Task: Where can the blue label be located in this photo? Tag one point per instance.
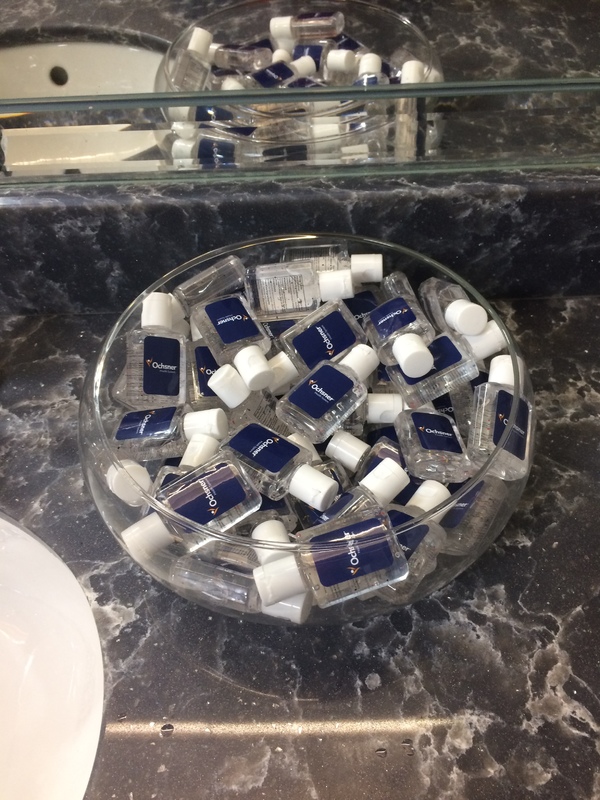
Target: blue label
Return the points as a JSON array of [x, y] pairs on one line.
[[275, 327], [315, 51], [408, 540], [435, 432], [366, 80], [483, 377], [444, 405], [168, 478], [266, 43], [267, 449], [231, 321], [206, 366], [345, 42], [212, 114], [213, 153], [335, 509], [324, 340], [206, 496], [280, 505], [303, 83], [273, 75], [517, 441], [361, 305], [360, 548], [445, 354], [319, 393], [377, 433], [392, 316], [161, 366], [456, 514], [156, 424]]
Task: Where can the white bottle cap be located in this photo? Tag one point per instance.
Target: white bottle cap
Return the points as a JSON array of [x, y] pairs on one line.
[[253, 367], [367, 267], [412, 72], [200, 42], [295, 609], [281, 28], [304, 66], [199, 450], [313, 488], [429, 495], [127, 479], [157, 311], [212, 50], [341, 61], [369, 64], [362, 360], [283, 370], [384, 408], [434, 76], [323, 133], [279, 579], [211, 422], [347, 449], [185, 129], [466, 317], [273, 530], [146, 537], [177, 310], [501, 371], [180, 115], [487, 343], [303, 441], [231, 84], [280, 54], [228, 385], [385, 481], [336, 284], [411, 353], [183, 148]]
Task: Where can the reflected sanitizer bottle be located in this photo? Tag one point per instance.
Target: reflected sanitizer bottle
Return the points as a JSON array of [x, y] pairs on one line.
[[241, 57], [191, 69], [277, 466], [223, 277], [308, 27], [221, 587], [492, 406], [234, 335], [449, 307], [327, 396], [279, 74], [365, 267]]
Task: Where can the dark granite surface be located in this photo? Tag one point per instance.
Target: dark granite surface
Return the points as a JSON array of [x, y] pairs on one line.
[[485, 691]]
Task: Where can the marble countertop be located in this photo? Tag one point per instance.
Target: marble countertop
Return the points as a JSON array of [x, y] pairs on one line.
[[487, 690]]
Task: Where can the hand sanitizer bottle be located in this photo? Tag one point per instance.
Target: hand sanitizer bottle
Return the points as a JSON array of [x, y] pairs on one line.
[[370, 71], [200, 449], [492, 405], [280, 510], [201, 367], [217, 494], [221, 278], [235, 336], [155, 371], [259, 407], [365, 267], [191, 69], [397, 316], [432, 446], [224, 589], [240, 57], [469, 521], [347, 558], [150, 434], [328, 395], [276, 466], [449, 307], [308, 27], [279, 74]]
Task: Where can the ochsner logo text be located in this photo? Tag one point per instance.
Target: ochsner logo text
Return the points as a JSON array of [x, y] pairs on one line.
[[212, 500], [435, 431], [231, 318], [504, 420], [352, 552], [320, 391], [145, 421], [159, 365], [326, 339], [262, 445], [393, 314]]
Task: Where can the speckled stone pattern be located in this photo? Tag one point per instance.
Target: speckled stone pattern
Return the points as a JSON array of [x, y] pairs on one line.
[[485, 691]]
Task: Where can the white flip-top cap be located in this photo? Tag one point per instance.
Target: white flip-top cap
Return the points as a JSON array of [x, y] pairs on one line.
[[283, 370], [369, 64], [385, 481], [501, 371], [487, 343], [347, 449], [384, 408], [157, 311], [273, 530], [412, 354], [295, 609], [367, 267], [281, 28], [253, 367], [429, 495], [304, 66], [212, 50], [185, 129], [362, 360], [313, 488], [199, 450], [466, 317], [126, 481], [228, 385], [177, 310], [303, 441], [147, 536], [231, 84], [341, 61], [281, 54], [183, 148], [412, 72], [200, 42], [211, 422], [279, 579], [336, 284]]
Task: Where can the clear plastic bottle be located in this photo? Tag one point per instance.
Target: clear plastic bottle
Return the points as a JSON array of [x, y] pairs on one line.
[[432, 446], [492, 406], [277, 466], [328, 395], [200, 449], [280, 510], [191, 69], [240, 57], [234, 335], [217, 495], [347, 558], [221, 278], [224, 589], [309, 516], [317, 50], [307, 27], [341, 65], [279, 74], [212, 148], [397, 316], [259, 407], [201, 367], [449, 307], [365, 267], [370, 71], [150, 434], [349, 451], [469, 521], [386, 447], [363, 302]]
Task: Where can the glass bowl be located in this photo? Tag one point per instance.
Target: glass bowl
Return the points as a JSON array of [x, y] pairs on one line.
[[192, 559]]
